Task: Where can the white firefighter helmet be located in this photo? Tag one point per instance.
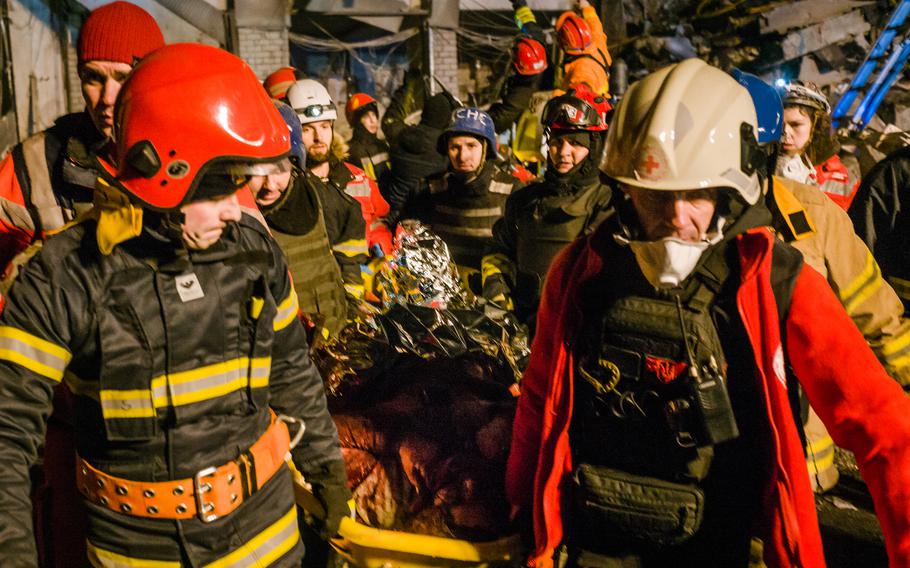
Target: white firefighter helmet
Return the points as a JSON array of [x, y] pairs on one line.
[[311, 101], [686, 126]]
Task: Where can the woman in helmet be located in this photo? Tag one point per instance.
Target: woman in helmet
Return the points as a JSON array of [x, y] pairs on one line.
[[809, 148], [584, 45], [543, 217], [171, 317], [365, 148], [463, 203]]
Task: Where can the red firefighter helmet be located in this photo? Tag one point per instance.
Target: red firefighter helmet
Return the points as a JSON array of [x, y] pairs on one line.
[[278, 83], [573, 33], [529, 56], [359, 102], [186, 111], [579, 108]]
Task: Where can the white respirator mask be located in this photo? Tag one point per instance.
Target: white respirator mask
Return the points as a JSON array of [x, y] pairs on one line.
[[667, 262]]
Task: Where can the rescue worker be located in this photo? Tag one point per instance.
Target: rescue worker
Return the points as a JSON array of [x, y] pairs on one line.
[[366, 148], [584, 45], [326, 160], [414, 156], [654, 426], [462, 204], [344, 220], [543, 217], [529, 61], [279, 81], [821, 231], [809, 148], [47, 180], [879, 214], [171, 317], [292, 208]]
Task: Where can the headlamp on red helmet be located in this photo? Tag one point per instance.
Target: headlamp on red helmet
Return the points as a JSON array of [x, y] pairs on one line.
[[573, 33], [578, 109], [529, 56]]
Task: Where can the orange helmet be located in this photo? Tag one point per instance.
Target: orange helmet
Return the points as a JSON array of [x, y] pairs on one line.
[[529, 56], [573, 33], [278, 83], [359, 103], [189, 110]]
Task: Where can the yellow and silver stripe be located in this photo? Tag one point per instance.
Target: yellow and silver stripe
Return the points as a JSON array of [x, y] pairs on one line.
[[34, 353], [287, 311], [187, 387], [351, 247], [261, 551]]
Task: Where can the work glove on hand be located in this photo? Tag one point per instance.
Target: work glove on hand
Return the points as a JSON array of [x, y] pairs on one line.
[[330, 487], [516, 4], [496, 290]]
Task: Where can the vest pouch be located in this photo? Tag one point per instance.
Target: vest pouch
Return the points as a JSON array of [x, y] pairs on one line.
[[617, 505]]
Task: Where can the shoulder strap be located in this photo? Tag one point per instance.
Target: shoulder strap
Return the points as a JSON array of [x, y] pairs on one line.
[[41, 196]]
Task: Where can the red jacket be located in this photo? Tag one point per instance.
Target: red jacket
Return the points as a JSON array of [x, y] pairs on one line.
[[863, 408], [835, 180], [361, 187]]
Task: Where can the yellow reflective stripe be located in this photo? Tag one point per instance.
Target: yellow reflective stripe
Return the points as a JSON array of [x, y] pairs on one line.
[[266, 547], [863, 286], [101, 558], [187, 387], [819, 446], [355, 290], [287, 311], [35, 354], [352, 247]]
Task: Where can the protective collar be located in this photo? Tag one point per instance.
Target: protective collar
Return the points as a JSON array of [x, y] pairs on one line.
[[118, 220]]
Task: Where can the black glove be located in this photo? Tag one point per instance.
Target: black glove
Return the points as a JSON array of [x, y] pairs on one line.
[[516, 4], [330, 487]]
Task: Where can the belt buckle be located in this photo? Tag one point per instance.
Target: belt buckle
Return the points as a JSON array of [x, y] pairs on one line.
[[203, 510]]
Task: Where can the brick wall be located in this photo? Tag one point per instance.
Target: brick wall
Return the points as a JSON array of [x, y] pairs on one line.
[[445, 58], [264, 49]]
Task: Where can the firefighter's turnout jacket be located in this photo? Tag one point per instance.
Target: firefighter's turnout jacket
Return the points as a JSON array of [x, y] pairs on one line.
[[176, 360], [822, 232], [45, 182]]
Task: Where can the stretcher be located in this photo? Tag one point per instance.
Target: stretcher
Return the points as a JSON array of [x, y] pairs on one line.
[[362, 546]]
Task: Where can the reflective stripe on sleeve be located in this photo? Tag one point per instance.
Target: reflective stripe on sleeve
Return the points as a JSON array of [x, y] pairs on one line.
[[35, 354], [352, 247], [863, 286], [287, 311]]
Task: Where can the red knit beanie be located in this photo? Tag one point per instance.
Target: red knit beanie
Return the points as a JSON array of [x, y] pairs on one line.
[[118, 31]]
